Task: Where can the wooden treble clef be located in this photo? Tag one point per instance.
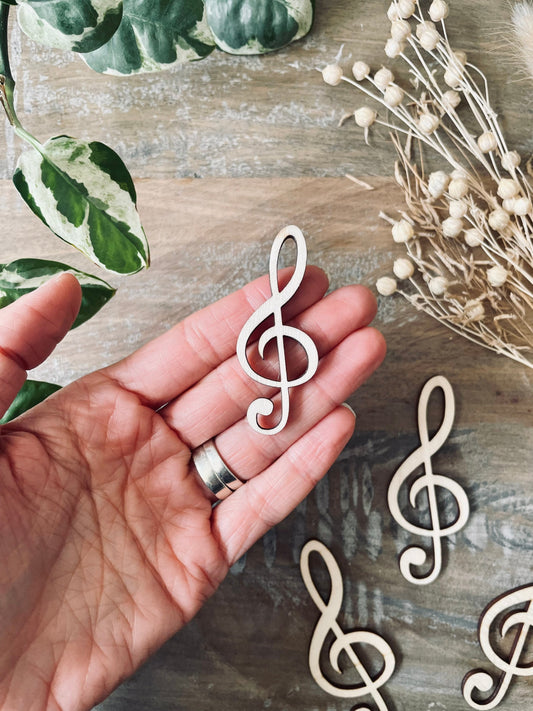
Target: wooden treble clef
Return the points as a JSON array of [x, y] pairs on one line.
[[478, 680], [345, 641], [429, 481], [278, 332]]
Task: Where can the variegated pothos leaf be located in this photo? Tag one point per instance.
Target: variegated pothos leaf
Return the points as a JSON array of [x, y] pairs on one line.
[[25, 275], [80, 25], [154, 35], [84, 193], [258, 26]]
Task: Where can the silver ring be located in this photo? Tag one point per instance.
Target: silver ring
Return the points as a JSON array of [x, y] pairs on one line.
[[213, 471]]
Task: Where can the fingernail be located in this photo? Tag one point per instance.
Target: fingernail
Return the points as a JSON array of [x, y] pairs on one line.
[[348, 407]]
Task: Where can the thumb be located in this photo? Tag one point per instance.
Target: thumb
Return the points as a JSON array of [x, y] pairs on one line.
[[30, 329]]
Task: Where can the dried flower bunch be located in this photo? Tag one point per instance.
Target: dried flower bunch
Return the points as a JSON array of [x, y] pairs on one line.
[[468, 229]]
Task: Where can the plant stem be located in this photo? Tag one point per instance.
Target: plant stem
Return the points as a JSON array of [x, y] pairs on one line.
[[5, 69], [7, 84]]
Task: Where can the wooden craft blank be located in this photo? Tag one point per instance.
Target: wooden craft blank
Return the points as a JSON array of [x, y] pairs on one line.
[[344, 641], [519, 621], [415, 556]]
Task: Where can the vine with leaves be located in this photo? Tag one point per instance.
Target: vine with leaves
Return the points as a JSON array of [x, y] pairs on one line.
[[81, 190]]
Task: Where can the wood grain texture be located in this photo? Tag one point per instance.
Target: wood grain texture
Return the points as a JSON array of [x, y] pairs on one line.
[[262, 134], [228, 116]]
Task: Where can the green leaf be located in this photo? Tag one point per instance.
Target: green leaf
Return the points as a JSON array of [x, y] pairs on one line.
[[25, 275], [154, 35], [32, 393], [84, 193], [258, 26], [80, 25]]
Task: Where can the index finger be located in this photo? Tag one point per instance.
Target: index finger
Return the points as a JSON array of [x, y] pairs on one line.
[[170, 364]]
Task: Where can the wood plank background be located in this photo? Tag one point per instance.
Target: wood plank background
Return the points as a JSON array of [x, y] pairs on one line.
[[225, 152]]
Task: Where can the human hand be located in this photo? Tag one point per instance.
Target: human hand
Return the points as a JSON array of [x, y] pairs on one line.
[[108, 539]]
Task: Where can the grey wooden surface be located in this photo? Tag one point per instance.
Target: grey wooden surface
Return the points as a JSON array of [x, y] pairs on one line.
[[260, 136]]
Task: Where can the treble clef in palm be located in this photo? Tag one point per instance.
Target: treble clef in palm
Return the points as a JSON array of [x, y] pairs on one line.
[[278, 333], [429, 482]]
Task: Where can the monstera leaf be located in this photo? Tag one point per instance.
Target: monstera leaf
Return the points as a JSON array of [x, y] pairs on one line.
[[80, 25], [154, 35], [31, 393], [25, 275], [84, 193], [258, 26]]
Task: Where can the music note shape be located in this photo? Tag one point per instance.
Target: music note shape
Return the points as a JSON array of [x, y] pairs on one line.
[[344, 641], [429, 481], [481, 681], [278, 332]]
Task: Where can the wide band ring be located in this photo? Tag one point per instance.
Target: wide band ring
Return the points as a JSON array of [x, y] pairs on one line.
[[213, 470]]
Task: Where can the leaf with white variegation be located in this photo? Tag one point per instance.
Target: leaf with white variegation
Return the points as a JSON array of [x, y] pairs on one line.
[[25, 275], [258, 26], [79, 25], [32, 393], [84, 193], [154, 35]]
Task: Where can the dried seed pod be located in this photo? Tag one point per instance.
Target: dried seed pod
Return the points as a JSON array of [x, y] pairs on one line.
[[424, 26], [452, 227], [383, 77], [451, 99], [438, 285], [499, 219], [510, 161], [393, 48], [458, 188], [386, 286], [402, 231], [453, 76], [406, 8], [332, 74], [437, 183], [460, 56], [393, 95], [487, 142], [400, 30], [392, 12], [429, 39], [508, 188], [522, 206], [428, 123], [365, 116], [403, 268], [474, 237], [457, 208], [360, 70], [438, 10], [508, 205], [497, 276]]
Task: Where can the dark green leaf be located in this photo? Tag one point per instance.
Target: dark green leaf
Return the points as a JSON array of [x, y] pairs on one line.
[[32, 393], [154, 35], [80, 25], [84, 193], [258, 26], [25, 275]]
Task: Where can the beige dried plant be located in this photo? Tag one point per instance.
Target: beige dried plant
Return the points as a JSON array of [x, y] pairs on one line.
[[522, 31], [467, 229]]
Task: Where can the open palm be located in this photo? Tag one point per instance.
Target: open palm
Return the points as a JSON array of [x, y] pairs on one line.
[[108, 539]]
